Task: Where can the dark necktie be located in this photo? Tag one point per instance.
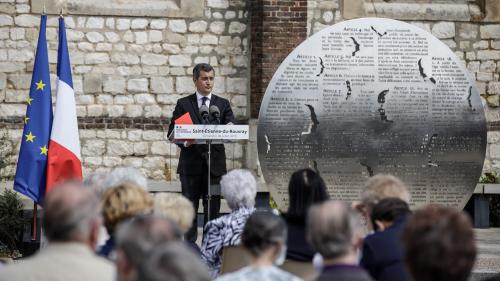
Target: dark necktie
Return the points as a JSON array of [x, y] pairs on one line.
[[204, 100]]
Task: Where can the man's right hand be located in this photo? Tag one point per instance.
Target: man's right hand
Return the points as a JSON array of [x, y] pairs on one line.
[[187, 143]]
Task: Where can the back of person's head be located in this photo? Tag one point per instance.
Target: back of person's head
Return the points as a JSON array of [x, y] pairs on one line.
[[176, 207], [120, 175], [382, 186], [239, 188], [333, 229], [123, 202], [262, 231], [136, 237], [439, 244], [173, 261], [305, 188], [388, 210], [95, 181], [71, 213]]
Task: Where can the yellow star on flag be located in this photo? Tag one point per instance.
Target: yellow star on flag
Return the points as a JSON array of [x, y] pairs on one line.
[[40, 85], [30, 137], [29, 100], [43, 150], [26, 118]]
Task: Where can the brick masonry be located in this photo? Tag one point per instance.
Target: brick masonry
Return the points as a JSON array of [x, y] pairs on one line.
[[277, 28]]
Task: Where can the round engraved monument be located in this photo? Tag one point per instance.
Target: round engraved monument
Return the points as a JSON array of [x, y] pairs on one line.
[[370, 96]]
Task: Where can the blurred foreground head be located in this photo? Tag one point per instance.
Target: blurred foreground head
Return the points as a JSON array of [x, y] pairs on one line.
[[265, 236], [72, 214], [136, 238], [439, 244], [173, 261], [124, 202], [334, 230]]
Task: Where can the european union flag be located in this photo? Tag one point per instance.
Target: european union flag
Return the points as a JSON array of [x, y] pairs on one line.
[[31, 169]]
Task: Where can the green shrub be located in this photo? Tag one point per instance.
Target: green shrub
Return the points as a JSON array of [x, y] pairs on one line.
[[11, 220]]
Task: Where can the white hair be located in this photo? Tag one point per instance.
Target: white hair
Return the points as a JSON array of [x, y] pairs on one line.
[[125, 174], [239, 189]]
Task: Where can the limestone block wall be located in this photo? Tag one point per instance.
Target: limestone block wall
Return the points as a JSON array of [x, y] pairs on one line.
[[470, 30], [128, 72]]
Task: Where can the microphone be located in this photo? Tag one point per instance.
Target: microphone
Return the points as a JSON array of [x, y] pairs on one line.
[[215, 112], [204, 112]]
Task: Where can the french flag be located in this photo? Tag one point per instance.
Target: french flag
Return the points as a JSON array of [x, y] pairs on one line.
[[64, 159]]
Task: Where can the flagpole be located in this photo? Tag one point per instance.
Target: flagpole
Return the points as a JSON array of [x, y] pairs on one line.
[[34, 230]]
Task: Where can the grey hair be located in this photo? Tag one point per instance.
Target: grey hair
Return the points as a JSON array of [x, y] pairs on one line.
[[120, 175], [331, 227], [173, 261], [139, 235], [69, 212], [239, 188], [95, 181]]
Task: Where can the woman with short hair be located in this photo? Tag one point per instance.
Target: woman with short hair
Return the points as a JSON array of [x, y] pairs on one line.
[[239, 188]]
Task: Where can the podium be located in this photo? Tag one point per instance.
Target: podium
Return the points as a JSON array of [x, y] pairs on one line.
[[209, 134]]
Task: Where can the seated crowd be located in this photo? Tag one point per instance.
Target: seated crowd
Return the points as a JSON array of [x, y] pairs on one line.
[[110, 228]]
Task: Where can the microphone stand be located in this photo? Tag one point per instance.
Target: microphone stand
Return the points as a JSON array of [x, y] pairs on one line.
[[209, 191], [209, 143]]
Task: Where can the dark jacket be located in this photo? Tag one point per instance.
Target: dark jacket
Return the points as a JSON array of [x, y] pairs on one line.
[[344, 273], [297, 247], [194, 158], [382, 254]]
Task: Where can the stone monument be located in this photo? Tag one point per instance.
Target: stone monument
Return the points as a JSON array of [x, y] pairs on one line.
[[369, 96]]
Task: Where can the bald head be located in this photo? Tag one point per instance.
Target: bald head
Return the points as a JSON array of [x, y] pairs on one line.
[[332, 229], [71, 212]]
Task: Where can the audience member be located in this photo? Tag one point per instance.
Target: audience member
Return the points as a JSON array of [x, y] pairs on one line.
[[382, 254], [176, 207], [119, 204], [377, 188], [179, 209], [136, 238], [120, 175], [239, 189], [439, 243], [305, 188], [264, 236], [71, 222], [95, 181], [335, 231], [173, 262]]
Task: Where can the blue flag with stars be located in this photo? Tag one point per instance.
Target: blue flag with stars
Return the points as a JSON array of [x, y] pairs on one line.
[[31, 169]]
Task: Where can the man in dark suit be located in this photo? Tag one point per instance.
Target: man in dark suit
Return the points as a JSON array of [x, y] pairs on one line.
[[193, 160], [336, 233]]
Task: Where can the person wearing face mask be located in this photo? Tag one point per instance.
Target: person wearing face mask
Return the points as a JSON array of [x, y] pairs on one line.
[[264, 237]]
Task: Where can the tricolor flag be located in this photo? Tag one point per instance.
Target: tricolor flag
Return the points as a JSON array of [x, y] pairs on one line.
[[64, 160], [31, 168]]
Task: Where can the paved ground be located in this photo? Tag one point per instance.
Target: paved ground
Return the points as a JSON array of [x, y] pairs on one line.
[[488, 243]]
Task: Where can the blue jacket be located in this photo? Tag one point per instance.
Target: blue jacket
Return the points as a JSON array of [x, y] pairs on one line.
[[383, 255]]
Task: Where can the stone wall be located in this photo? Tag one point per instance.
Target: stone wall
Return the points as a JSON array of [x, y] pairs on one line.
[[471, 31], [128, 72], [130, 67]]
